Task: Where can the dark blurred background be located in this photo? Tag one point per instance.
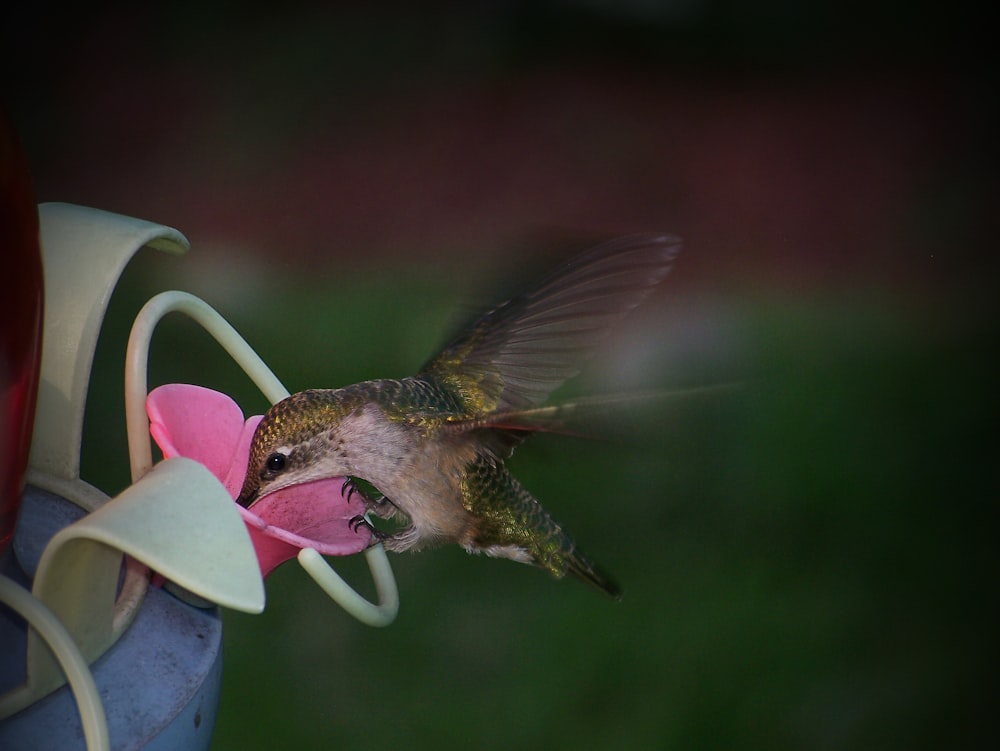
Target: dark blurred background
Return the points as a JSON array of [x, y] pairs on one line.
[[809, 561]]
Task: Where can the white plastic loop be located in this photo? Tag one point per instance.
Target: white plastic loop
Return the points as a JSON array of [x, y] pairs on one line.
[[330, 582], [64, 650]]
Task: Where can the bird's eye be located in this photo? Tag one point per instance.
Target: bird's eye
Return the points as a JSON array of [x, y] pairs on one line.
[[275, 463]]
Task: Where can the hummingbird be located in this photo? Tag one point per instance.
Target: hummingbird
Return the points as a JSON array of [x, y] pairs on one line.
[[429, 450]]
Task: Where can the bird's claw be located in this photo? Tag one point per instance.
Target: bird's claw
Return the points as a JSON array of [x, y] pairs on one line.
[[368, 492], [349, 488], [357, 522]]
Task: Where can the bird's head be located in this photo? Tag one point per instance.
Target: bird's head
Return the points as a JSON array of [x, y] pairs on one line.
[[295, 442]]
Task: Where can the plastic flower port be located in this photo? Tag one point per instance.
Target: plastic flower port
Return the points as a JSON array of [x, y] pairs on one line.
[[87, 556], [194, 423], [208, 426]]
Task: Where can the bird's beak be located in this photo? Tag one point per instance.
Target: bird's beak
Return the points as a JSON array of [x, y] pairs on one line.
[[247, 497]]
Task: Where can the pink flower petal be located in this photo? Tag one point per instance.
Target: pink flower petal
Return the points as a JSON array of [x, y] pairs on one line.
[[237, 470], [316, 515], [312, 515], [195, 422]]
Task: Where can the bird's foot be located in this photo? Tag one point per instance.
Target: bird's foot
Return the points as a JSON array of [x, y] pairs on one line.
[[371, 495], [359, 521]]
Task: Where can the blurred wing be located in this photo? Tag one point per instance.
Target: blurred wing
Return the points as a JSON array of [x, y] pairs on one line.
[[514, 356], [586, 417], [578, 417]]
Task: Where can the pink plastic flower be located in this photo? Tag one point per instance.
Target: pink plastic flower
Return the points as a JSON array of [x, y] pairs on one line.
[[208, 426]]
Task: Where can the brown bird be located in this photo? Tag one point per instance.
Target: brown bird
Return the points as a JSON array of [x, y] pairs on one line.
[[430, 449]]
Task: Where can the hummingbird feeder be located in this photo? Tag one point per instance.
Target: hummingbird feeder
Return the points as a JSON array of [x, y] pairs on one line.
[[81, 575]]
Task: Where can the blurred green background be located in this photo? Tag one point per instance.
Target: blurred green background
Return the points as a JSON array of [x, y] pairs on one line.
[[809, 561]]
